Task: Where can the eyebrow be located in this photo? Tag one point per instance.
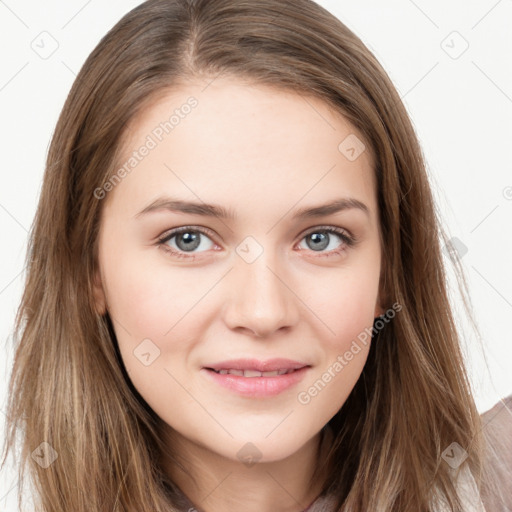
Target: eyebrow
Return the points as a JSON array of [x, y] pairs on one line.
[[213, 210]]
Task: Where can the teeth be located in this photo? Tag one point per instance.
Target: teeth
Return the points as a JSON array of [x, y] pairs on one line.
[[253, 373]]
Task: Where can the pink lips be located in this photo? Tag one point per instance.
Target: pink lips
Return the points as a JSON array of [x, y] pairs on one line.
[[247, 382], [255, 364]]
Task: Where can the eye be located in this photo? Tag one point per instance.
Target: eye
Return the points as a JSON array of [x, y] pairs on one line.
[[322, 238], [186, 239], [182, 242]]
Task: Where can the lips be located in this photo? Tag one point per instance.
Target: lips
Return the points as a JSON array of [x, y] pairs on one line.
[[252, 373], [255, 367], [253, 378]]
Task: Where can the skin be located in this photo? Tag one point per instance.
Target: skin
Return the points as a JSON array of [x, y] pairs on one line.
[[264, 153]]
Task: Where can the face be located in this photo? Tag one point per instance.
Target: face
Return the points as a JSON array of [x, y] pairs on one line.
[[268, 275]]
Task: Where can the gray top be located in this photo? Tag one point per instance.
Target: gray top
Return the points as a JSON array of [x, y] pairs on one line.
[[321, 504]]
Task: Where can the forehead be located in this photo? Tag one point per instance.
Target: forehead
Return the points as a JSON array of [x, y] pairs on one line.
[[229, 135]]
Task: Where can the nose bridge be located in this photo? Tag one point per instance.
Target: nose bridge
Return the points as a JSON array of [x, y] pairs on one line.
[[261, 301]]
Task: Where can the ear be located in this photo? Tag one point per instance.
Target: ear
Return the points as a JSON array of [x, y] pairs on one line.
[[379, 310], [100, 302]]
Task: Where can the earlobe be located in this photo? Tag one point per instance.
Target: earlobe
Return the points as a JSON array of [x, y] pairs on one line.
[[378, 311], [100, 302]]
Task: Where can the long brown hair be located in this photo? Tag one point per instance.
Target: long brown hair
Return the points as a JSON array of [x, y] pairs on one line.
[[68, 386]]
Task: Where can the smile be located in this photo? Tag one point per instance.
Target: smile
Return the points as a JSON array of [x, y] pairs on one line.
[[252, 373], [253, 383]]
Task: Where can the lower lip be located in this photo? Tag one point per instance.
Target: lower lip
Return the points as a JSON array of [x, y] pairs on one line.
[[257, 386]]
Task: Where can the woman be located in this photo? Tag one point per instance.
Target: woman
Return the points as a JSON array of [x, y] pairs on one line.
[[236, 297]]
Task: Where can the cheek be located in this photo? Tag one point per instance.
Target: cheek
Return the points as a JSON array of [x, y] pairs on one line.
[[157, 311], [346, 302], [148, 300], [346, 306], [151, 308], [345, 346]]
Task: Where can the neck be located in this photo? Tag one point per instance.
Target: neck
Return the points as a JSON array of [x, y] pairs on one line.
[[215, 483]]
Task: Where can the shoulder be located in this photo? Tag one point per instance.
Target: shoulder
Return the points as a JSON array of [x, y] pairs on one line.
[[497, 430]]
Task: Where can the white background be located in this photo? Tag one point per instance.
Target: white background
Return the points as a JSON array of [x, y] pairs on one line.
[[460, 105]]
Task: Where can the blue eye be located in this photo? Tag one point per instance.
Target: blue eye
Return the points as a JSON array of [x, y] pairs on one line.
[[186, 239], [321, 238]]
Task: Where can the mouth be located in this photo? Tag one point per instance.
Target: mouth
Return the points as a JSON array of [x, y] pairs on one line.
[[254, 383], [252, 373]]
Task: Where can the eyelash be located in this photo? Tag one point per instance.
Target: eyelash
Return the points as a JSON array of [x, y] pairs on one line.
[[348, 240]]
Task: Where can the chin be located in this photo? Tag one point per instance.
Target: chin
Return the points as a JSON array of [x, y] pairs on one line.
[[262, 447]]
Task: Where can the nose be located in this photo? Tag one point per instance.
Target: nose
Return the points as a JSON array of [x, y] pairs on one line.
[[260, 300]]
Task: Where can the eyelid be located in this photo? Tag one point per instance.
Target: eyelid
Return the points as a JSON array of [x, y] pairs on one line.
[[207, 231], [348, 239], [334, 229], [167, 235]]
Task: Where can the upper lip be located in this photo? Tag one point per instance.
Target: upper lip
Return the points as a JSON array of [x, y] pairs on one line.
[[257, 365]]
